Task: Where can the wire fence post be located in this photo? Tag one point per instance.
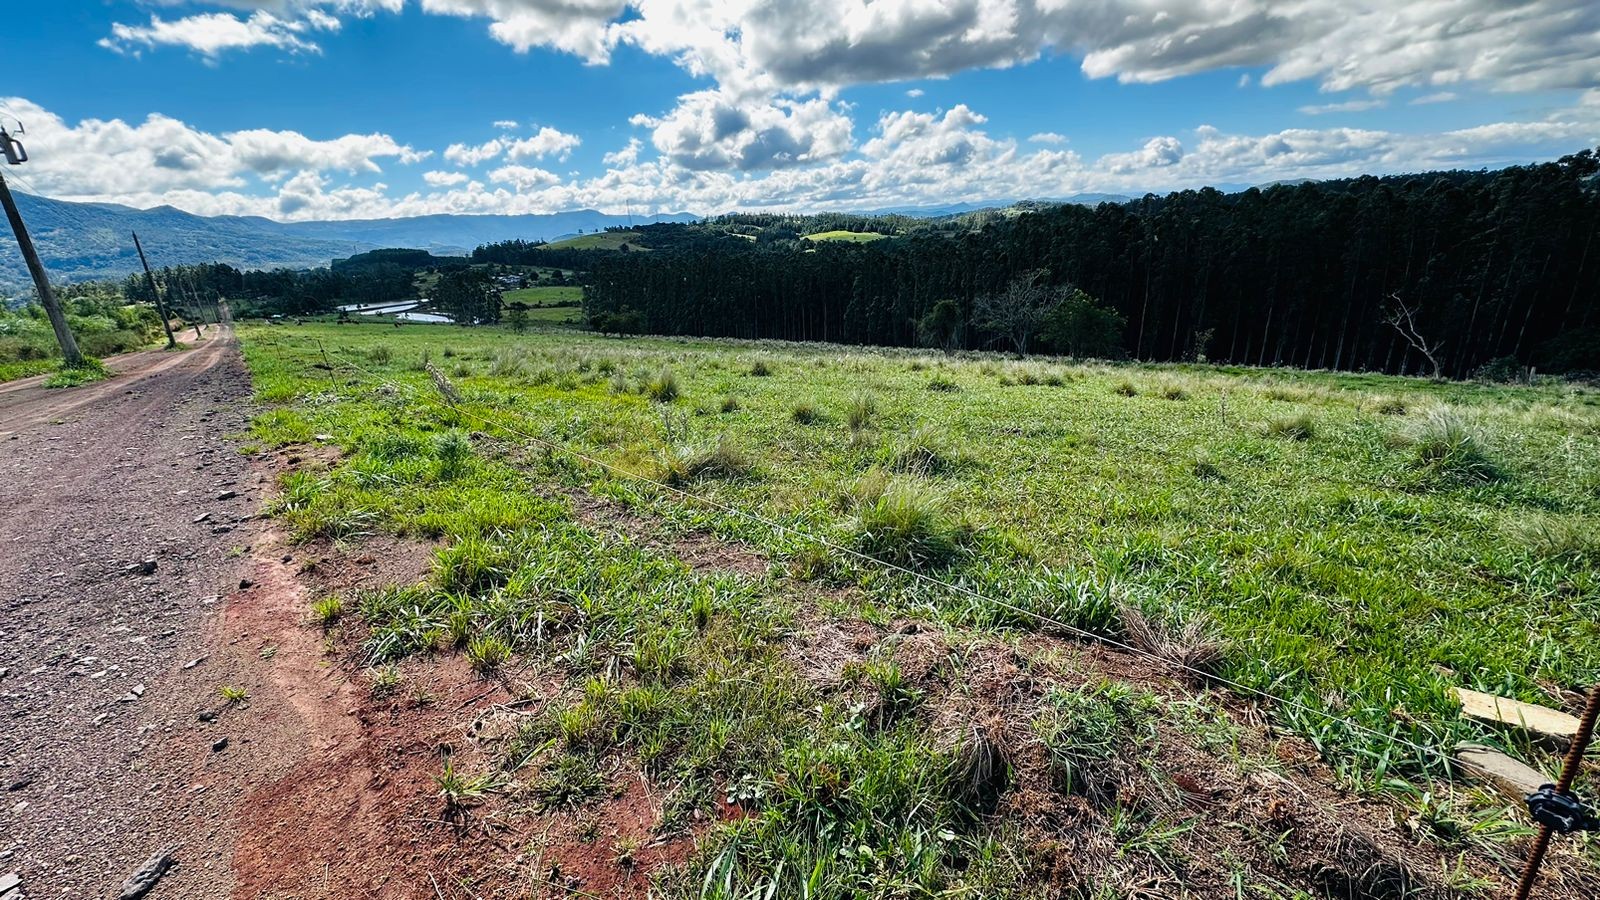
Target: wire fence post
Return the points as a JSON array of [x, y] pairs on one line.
[[1569, 773]]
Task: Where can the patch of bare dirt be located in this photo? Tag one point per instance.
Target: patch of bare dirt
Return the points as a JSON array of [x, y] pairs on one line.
[[378, 561], [358, 814], [611, 848]]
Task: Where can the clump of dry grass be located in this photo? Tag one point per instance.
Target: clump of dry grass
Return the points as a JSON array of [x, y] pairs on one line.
[[1192, 644], [684, 463]]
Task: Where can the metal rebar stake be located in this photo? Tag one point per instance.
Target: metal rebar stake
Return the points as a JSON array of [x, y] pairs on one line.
[[1569, 773]]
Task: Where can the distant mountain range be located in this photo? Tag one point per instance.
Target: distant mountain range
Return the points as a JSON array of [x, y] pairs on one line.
[[86, 241], [955, 209]]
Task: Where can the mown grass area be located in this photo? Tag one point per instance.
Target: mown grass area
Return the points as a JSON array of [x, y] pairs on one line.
[[1357, 544], [600, 240], [548, 295], [856, 237]]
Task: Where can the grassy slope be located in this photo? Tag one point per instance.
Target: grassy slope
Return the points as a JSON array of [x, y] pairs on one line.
[[547, 295], [556, 315], [858, 237], [605, 240], [1342, 571]]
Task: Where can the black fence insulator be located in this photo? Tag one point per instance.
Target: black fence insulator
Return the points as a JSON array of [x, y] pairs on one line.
[[1562, 810]]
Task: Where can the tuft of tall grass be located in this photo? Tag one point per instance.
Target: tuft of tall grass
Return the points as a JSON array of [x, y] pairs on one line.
[[459, 790], [721, 458], [326, 612], [805, 413], [1299, 427], [1451, 449], [1205, 467], [383, 681], [662, 387], [924, 452], [488, 653], [907, 524], [863, 406], [508, 362], [453, 450], [1548, 537], [1192, 643], [1390, 406]]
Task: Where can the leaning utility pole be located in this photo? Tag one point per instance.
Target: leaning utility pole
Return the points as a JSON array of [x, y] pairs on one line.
[[161, 308], [14, 155]]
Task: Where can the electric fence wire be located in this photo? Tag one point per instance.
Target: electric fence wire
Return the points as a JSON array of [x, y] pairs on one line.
[[424, 397]]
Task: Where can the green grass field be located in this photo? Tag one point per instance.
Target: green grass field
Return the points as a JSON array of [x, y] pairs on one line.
[[12, 370], [603, 240], [1356, 544], [857, 237], [544, 296]]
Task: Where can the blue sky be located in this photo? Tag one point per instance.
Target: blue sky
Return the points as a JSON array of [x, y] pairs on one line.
[[353, 108]]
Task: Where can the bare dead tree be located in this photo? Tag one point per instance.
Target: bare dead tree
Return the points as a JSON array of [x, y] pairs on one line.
[[1020, 310], [1404, 320]]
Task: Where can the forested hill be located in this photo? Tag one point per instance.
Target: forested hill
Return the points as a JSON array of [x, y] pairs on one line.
[[1489, 265], [88, 241]]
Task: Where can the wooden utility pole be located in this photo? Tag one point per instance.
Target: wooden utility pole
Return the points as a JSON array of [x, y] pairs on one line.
[[150, 280], [41, 281], [193, 309]]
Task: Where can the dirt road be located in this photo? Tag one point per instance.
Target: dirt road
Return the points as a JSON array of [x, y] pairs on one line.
[[122, 502]]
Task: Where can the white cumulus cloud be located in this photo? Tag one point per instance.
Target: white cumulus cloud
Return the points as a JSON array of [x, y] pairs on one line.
[[445, 179], [524, 178], [715, 130], [547, 142], [212, 34], [473, 154]]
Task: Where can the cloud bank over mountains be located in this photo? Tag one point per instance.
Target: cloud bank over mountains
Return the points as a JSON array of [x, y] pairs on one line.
[[772, 127]]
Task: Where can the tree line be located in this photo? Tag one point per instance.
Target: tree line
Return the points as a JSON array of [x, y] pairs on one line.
[[1444, 271], [276, 291]]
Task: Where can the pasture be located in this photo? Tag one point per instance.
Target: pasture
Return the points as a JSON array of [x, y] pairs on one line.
[[545, 295], [875, 600], [602, 240], [855, 237]]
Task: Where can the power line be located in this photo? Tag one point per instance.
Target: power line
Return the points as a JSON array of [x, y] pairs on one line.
[[62, 212], [1082, 633]]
